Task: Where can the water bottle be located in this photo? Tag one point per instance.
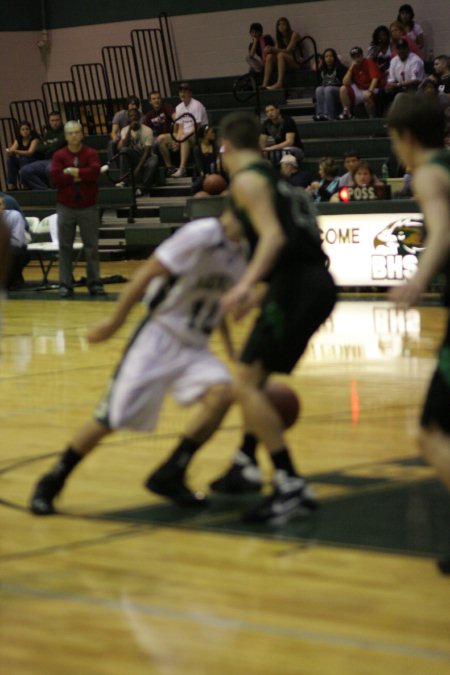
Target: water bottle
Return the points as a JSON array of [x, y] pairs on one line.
[[384, 173]]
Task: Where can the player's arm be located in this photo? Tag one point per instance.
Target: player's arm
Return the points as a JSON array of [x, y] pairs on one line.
[[432, 191], [131, 294], [253, 194], [224, 330]]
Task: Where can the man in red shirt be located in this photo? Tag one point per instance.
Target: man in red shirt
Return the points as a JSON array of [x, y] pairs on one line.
[[74, 171], [360, 84]]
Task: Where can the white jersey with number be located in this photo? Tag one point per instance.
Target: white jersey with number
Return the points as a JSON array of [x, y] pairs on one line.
[[203, 264]]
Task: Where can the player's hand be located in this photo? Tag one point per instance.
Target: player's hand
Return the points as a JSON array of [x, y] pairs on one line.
[[102, 331], [406, 295], [236, 299]]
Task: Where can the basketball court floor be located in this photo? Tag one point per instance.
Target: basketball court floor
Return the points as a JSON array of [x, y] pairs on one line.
[[123, 582]]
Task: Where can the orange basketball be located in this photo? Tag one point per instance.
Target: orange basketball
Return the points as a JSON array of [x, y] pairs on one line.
[[214, 183], [202, 194], [285, 401]]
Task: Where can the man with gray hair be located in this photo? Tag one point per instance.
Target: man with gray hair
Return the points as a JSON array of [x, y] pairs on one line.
[[74, 171]]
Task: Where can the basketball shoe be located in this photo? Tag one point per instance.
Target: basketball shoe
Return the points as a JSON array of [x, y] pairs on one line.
[[242, 477], [169, 483], [44, 493], [292, 498]]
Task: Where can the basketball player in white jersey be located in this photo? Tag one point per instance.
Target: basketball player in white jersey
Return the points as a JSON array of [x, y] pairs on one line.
[[183, 282]]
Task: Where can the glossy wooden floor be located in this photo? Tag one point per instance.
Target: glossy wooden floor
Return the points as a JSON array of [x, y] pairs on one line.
[[168, 593]]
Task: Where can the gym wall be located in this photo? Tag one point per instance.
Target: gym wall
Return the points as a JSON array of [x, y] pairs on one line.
[[207, 43]]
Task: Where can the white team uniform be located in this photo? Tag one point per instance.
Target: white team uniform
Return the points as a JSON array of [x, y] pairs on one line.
[[169, 350]]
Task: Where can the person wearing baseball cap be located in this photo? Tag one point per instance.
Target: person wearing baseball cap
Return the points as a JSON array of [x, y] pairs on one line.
[[406, 70], [289, 169], [360, 84]]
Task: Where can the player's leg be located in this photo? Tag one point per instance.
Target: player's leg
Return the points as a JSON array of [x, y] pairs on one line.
[[50, 485], [205, 379], [169, 478]]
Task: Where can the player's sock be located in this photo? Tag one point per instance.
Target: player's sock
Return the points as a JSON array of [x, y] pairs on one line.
[[248, 447], [182, 455], [282, 462], [51, 484], [66, 463]]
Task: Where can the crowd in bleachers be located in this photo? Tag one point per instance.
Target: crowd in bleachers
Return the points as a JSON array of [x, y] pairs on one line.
[[163, 134]]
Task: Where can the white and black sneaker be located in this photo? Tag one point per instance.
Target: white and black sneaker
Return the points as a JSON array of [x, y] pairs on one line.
[[292, 498], [242, 477]]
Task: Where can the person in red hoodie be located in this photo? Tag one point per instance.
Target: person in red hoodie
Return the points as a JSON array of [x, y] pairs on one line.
[[360, 84], [74, 171]]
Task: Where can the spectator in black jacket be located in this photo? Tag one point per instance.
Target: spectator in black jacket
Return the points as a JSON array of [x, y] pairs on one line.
[[37, 175], [279, 135]]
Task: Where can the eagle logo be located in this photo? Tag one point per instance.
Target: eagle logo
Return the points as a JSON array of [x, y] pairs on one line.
[[402, 237]]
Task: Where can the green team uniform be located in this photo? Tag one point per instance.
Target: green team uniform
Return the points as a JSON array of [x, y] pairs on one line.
[[436, 408], [301, 291]]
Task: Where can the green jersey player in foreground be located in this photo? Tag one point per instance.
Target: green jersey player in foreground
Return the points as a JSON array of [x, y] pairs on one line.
[[417, 130]]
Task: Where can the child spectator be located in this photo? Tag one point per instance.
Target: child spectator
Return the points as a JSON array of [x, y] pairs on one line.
[[351, 159], [20, 153], [412, 28], [329, 180], [257, 49], [205, 156], [332, 72], [398, 32], [380, 48]]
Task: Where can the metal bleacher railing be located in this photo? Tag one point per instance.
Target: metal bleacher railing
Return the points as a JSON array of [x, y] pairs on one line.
[[97, 90]]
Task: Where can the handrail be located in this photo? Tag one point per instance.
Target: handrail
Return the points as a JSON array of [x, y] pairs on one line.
[[315, 55], [248, 85], [185, 138]]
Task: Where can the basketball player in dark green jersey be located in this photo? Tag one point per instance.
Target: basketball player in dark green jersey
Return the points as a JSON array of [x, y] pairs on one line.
[[286, 254], [417, 130]]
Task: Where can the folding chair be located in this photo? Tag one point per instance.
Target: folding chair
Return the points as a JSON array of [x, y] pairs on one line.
[[44, 247]]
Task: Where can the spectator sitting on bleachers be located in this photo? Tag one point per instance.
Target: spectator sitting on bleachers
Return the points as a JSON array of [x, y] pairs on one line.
[[279, 135], [159, 119], [332, 72], [119, 121], [360, 84], [380, 48], [20, 152], [323, 190], [185, 127], [136, 154], [412, 29], [406, 71], [11, 204], [19, 256], [290, 170], [205, 156], [441, 68], [257, 49], [283, 55], [36, 175], [351, 159], [398, 32], [362, 175]]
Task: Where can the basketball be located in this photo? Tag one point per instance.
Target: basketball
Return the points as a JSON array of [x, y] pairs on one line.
[[202, 194], [285, 401], [214, 184]]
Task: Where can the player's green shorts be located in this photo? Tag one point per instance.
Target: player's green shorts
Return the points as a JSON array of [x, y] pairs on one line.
[[297, 303]]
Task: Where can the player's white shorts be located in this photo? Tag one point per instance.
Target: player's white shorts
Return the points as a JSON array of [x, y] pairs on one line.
[[157, 363]]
